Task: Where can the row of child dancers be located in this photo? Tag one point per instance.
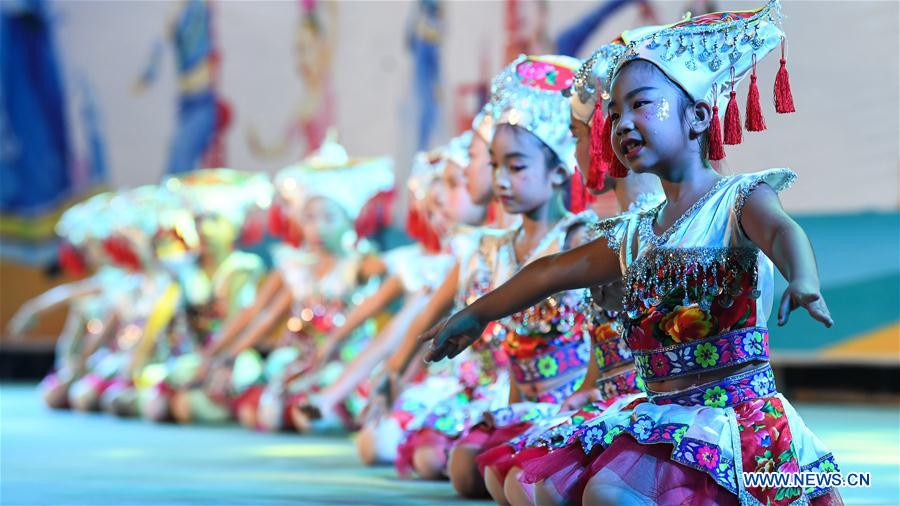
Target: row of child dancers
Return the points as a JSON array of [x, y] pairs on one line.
[[594, 359]]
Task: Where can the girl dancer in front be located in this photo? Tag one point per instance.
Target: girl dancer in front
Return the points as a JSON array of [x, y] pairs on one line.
[[698, 280]]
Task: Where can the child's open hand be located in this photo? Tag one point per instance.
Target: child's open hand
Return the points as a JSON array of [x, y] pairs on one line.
[[807, 295], [452, 336]]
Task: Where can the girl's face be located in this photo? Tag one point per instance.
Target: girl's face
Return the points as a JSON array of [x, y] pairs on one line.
[[522, 180], [649, 133], [478, 172], [433, 206], [582, 133], [323, 224], [458, 207]]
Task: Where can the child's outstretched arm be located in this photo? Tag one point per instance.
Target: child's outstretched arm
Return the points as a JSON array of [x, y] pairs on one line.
[[51, 299], [767, 224], [594, 263], [390, 289]]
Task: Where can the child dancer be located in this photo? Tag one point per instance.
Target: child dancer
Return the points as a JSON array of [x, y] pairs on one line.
[[611, 374], [384, 426], [438, 202], [114, 360], [216, 279], [698, 281], [531, 145], [90, 313], [328, 274]]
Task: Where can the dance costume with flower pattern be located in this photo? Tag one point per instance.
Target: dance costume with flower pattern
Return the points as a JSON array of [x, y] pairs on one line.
[[438, 379], [115, 285], [482, 369], [697, 300], [319, 307], [529, 449], [547, 346], [476, 382], [231, 288]]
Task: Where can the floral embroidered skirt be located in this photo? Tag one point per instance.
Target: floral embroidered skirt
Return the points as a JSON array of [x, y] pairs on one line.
[[718, 437], [452, 417]]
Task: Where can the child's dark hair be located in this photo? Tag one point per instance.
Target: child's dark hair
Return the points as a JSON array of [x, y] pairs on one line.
[[684, 99]]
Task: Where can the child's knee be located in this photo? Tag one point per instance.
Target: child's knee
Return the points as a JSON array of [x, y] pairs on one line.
[[494, 486], [181, 407], [545, 493], [464, 474], [607, 489], [82, 397], [430, 462], [365, 445], [56, 396], [515, 491], [157, 408]]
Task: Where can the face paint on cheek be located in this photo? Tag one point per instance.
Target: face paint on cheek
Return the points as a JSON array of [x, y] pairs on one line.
[[662, 110]]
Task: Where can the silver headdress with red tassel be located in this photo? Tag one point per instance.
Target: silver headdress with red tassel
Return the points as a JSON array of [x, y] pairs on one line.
[[587, 96], [709, 55]]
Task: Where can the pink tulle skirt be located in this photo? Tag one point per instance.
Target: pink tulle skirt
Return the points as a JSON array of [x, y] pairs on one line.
[[564, 468], [495, 452], [418, 439], [248, 398], [648, 470]]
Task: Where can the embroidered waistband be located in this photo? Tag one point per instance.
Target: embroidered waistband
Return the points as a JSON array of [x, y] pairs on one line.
[[725, 392], [558, 394], [612, 352], [554, 362], [623, 383], [732, 348]]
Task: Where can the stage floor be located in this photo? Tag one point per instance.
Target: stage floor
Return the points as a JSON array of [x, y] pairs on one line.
[[61, 458]]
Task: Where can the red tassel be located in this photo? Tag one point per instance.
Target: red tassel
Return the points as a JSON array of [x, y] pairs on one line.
[[618, 169], [755, 121], [253, 230], [784, 99], [292, 234], [276, 220], [413, 223], [733, 134], [600, 132], [716, 150], [578, 198], [375, 214], [613, 164], [71, 260], [491, 218]]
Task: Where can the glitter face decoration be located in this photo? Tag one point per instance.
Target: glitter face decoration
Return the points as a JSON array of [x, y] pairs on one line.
[[662, 110]]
